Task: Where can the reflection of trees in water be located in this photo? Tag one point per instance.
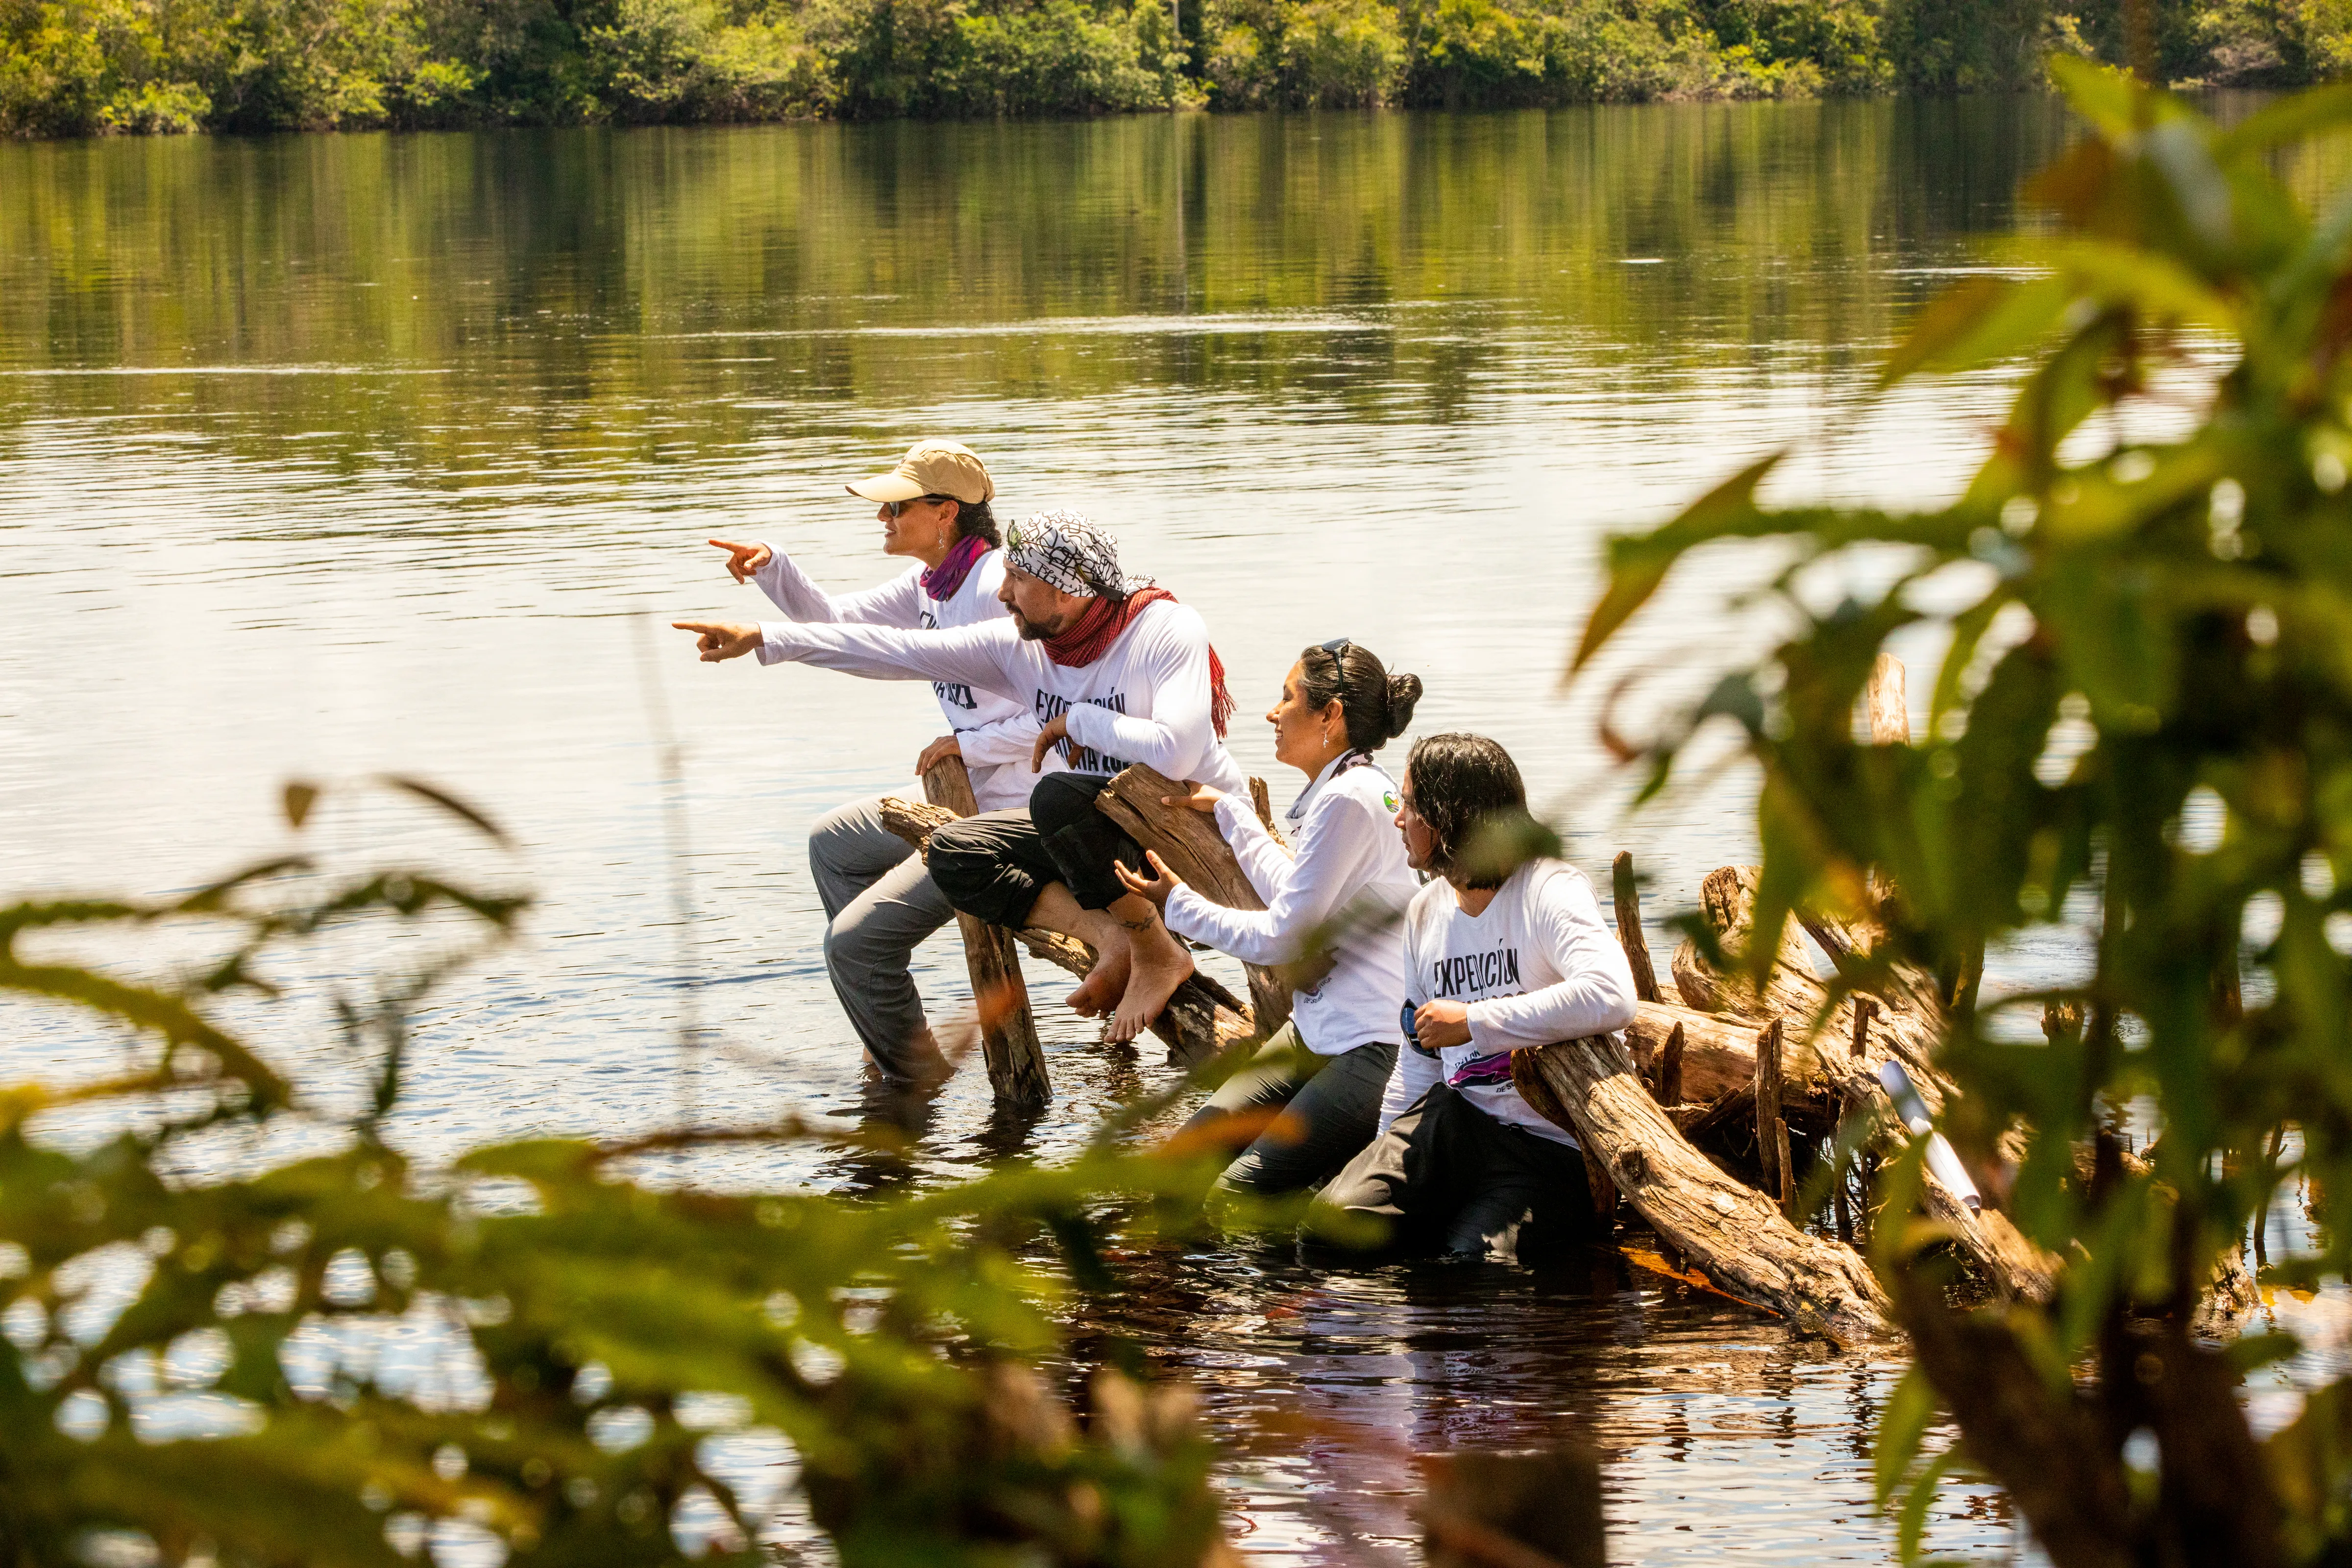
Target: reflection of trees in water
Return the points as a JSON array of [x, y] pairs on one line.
[[553, 283]]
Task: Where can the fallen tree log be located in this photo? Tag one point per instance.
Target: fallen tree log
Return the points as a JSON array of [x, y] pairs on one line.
[[1196, 851], [1008, 1032], [1718, 1055], [1903, 1029], [1200, 1020], [1732, 1233]]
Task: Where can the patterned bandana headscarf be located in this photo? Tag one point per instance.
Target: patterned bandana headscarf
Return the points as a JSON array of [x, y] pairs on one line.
[[1065, 551]]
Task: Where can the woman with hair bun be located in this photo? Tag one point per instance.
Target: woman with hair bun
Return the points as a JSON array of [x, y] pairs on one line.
[[1331, 908]]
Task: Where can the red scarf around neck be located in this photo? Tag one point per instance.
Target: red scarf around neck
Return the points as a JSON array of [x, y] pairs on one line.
[[1095, 631]]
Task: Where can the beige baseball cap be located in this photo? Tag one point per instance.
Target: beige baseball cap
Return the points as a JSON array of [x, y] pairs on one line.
[[931, 468]]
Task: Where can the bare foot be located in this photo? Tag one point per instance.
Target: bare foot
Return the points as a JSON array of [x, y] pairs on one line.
[[1099, 992], [1157, 964]]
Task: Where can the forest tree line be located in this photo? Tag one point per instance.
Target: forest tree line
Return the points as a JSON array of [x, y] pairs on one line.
[[76, 68], [95, 67]]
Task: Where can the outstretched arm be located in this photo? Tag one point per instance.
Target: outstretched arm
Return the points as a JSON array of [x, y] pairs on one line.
[[977, 655], [1301, 894], [896, 603]]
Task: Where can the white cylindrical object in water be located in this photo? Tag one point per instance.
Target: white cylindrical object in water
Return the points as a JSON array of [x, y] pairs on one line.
[[1942, 1158]]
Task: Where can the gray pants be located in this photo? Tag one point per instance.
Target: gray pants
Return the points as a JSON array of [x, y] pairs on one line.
[[1330, 1107], [879, 904], [1447, 1172]]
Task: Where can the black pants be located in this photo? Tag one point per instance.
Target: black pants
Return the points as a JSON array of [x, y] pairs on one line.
[[1445, 1172], [1330, 1106], [994, 865]]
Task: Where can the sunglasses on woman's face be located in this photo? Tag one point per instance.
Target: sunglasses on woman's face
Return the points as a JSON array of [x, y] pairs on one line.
[[895, 507]]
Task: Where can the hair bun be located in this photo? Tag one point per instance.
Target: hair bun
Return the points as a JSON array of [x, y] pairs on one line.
[[1404, 692]]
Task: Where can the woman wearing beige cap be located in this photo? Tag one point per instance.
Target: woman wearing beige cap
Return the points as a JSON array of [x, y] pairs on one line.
[[880, 900]]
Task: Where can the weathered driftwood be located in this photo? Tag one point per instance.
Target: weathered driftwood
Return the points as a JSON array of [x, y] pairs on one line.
[[1905, 1028], [1262, 801], [1772, 1127], [1627, 897], [1201, 1020], [1666, 1077], [1718, 1054], [1189, 842], [1731, 1232], [1008, 1031]]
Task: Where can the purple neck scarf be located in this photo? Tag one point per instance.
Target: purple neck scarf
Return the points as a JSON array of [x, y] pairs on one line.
[[940, 582]]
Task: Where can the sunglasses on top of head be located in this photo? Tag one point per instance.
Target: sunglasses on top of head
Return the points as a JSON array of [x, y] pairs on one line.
[[1338, 648]]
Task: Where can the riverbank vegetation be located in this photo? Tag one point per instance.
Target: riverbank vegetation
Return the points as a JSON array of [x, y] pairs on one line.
[[78, 67], [2135, 754], [238, 1326]]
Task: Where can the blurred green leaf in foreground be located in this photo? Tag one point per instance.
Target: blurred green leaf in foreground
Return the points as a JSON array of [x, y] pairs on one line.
[[240, 1330], [2140, 742]]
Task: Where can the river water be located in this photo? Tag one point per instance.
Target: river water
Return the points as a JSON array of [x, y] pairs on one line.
[[323, 457]]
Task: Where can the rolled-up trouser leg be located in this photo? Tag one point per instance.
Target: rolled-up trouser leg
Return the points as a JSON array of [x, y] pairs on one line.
[[992, 866], [1330, 1107], [1082, 841], [880, 907]]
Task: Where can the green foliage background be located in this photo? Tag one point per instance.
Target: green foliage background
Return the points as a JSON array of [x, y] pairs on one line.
[[2138, 746], [206, 1262], [76, 68]]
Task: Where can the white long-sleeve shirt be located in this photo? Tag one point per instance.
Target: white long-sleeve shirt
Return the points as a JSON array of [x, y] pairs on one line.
[[1539, 964], [995, 733], [1347, 870], [1145, 700]]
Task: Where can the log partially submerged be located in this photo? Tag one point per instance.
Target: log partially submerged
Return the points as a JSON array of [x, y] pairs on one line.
[[1008, 1031], [1905, 1027], [1734, 1234], [1201, 1020]]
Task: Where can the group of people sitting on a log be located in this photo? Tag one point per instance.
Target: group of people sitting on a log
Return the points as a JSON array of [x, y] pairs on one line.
[[1057, 670]]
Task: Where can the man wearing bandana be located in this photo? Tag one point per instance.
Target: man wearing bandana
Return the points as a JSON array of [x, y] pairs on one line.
[[1114, 671]]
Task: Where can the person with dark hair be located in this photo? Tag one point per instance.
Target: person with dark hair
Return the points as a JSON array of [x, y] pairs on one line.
[[1502, 950], [1331, 906], [879, 899], [1115, 671]]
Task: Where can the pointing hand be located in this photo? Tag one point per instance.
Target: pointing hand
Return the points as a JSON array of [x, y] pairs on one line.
[[720, 639], [743, 559]]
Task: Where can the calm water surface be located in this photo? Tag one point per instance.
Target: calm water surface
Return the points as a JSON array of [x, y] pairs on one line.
[[326, 456]]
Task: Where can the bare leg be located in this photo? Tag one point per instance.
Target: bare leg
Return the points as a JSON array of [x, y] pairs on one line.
[[1157, 965], [1055, 909]]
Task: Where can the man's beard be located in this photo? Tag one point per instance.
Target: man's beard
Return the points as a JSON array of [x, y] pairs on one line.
[[1030, 630]]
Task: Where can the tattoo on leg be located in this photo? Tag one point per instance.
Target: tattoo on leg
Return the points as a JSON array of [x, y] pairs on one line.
[[1146, 923]]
